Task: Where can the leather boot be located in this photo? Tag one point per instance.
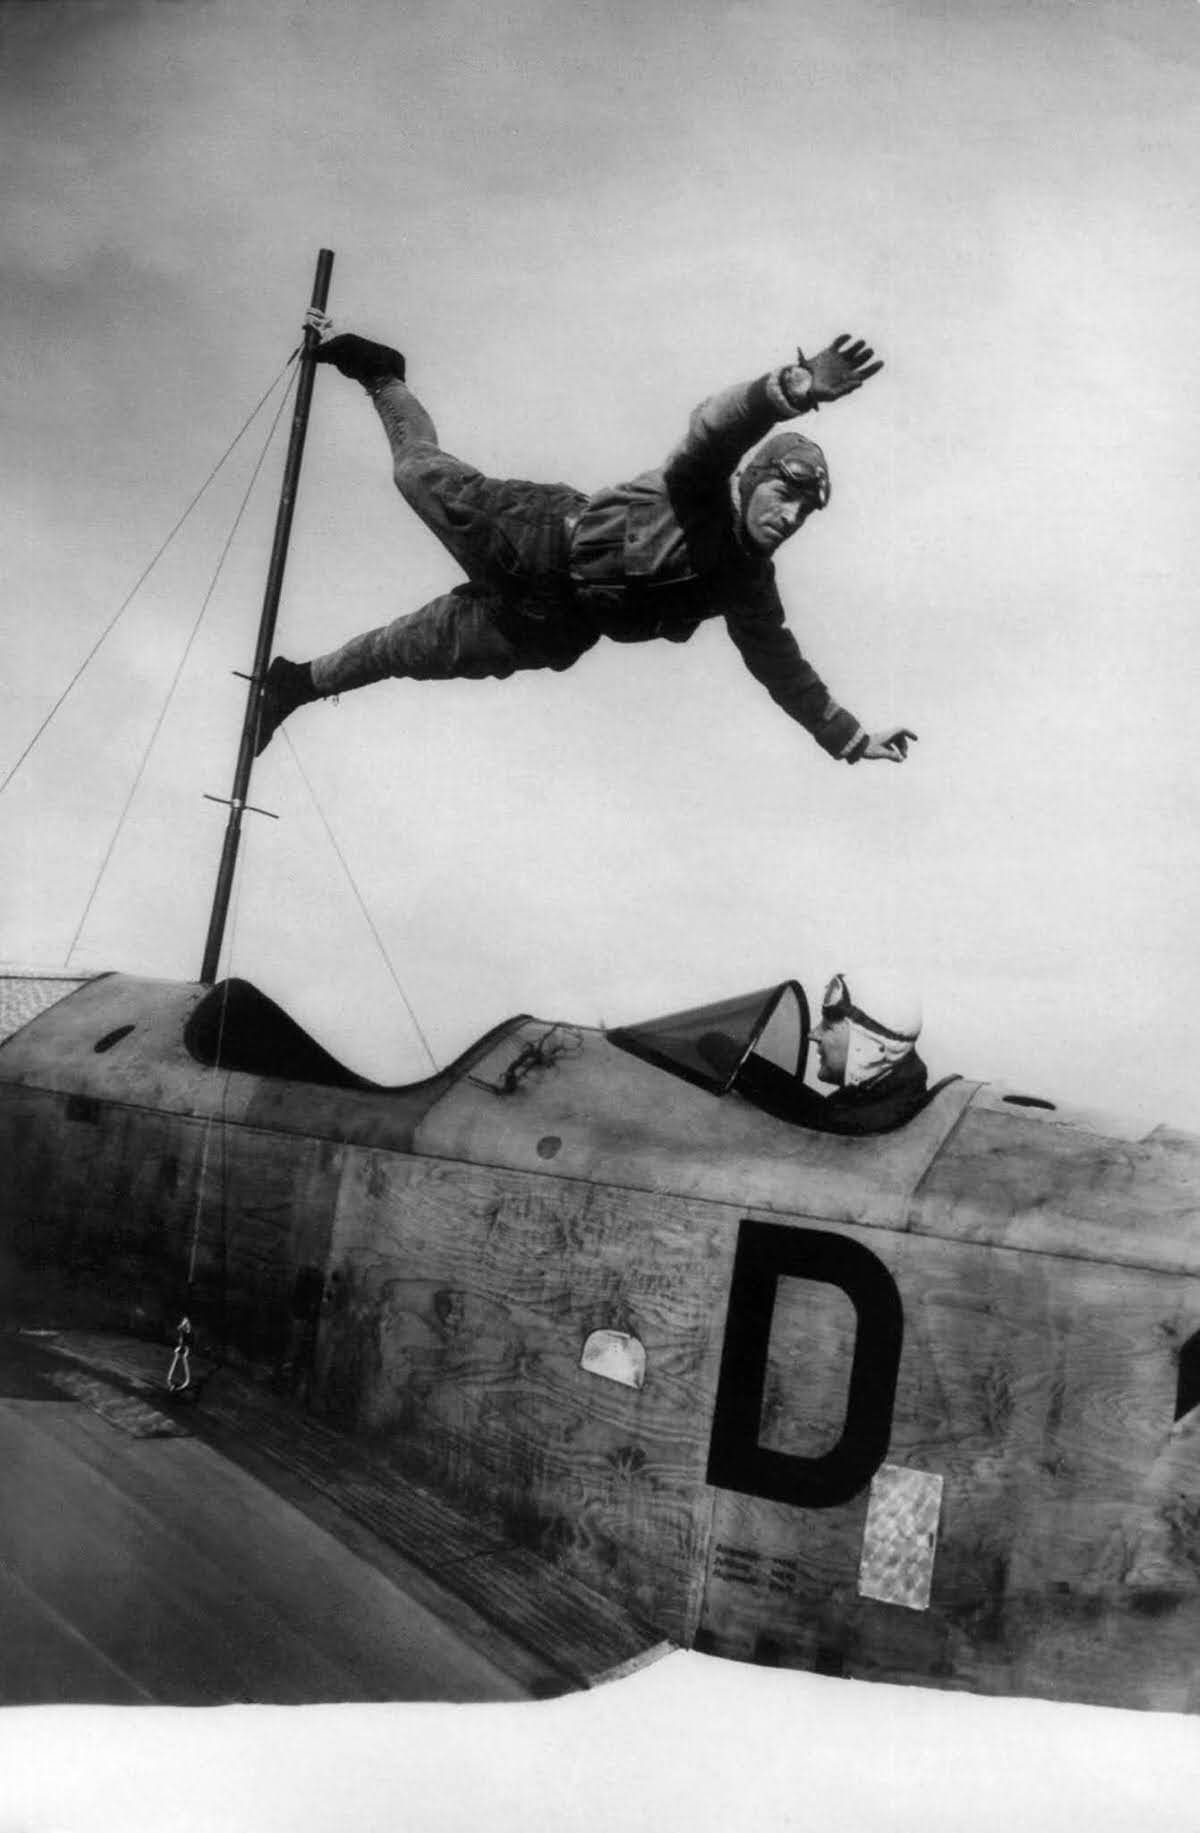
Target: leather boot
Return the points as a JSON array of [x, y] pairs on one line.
[[287, 686], [361, 360]]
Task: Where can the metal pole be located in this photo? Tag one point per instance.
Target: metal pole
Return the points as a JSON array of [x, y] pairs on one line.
[[266, 629]]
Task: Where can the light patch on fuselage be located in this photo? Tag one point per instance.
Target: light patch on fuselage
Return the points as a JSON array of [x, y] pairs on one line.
[[900, 1537], [614, 1356]]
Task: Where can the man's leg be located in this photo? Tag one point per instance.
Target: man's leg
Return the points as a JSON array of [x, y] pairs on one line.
[[452, 636], [510, 538], [448, 495], [473, 633], [503, 532]]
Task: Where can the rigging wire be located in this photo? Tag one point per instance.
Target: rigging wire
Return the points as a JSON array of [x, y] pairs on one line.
[[146, 572], [179, 1374], [151, 741], [408, 1006], [211, 1123]]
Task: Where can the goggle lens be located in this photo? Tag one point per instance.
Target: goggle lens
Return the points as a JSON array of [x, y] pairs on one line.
[[812, 485]]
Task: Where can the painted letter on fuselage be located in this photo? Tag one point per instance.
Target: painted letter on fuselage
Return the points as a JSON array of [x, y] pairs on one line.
[[766, 1253]]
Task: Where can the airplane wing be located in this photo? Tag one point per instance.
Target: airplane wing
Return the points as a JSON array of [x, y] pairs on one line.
[[222, 1547]]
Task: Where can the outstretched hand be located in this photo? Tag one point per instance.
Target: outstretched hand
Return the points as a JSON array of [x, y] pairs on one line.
[[840, 369], [891, 745]]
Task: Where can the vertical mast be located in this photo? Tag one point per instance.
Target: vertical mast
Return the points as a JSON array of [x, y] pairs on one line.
[[266, 629]]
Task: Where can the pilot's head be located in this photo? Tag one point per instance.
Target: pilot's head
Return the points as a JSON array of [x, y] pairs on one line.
[[870, 1021], [784, 482]]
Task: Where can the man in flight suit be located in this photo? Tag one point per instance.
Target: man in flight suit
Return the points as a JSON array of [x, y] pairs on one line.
[[551, 570]]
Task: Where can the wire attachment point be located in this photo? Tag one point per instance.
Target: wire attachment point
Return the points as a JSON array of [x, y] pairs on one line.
[[179, 1375], [245, 807]]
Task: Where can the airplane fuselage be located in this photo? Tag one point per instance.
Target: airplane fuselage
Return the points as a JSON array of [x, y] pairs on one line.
[[920, 1407]]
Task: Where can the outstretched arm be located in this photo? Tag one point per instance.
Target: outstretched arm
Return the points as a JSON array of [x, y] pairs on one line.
[[774, 658], [725, 426]]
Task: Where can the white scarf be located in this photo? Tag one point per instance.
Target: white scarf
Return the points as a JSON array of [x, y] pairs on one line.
[[870, 1055]]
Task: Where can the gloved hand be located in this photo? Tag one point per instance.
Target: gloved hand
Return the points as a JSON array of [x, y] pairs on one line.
[[840, 369]]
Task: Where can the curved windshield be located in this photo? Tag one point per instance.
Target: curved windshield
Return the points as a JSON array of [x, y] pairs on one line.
[[709, 1044]]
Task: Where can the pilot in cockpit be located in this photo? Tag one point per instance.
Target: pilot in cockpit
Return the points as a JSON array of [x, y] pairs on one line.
[[866, 1049], [756, 1045]]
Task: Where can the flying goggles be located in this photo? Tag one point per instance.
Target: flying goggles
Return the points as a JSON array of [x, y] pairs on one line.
[[799, 475], [835, 1001], [837, 1004]]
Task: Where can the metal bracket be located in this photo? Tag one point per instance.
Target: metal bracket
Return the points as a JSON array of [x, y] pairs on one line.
[[245, 807]]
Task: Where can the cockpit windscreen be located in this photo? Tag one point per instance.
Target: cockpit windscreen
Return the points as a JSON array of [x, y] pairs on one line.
[[708, 1044]]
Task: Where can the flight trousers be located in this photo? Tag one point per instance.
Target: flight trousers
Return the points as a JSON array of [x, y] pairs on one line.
[[511, 538]]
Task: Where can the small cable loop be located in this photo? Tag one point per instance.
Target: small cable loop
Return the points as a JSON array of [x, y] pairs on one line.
[[179, 1375]]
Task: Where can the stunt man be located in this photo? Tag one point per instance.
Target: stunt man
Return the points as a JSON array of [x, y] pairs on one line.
[[551, 570]]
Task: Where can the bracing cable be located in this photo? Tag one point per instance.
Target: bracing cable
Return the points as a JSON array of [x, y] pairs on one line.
[[150, 743], [408, 1005], [214, 1124], [145, 574]]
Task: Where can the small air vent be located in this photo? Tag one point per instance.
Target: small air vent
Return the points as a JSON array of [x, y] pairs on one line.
[[110, 1038], [1028, 1101]]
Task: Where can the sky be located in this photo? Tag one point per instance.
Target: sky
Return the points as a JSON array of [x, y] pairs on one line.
[[577, 221]]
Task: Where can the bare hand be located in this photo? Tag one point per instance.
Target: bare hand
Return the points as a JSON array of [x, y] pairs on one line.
[[840, 369], [892, 744]]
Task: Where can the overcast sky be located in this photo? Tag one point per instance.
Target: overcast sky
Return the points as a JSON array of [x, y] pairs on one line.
[[577, 220]]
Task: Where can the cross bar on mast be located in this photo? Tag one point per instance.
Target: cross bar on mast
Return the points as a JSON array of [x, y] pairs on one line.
[[266, 629]]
